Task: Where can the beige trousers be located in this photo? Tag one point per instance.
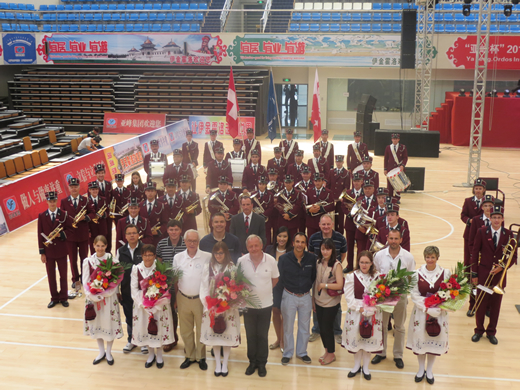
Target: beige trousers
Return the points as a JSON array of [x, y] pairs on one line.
[[190, 315], [399, 331]]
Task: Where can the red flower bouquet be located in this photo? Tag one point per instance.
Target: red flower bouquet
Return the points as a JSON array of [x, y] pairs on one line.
[[453, 292]]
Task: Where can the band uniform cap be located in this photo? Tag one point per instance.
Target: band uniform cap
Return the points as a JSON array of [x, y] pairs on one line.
[[289, 131], [273, 171], [185, 178], [51, 195], [396, 135], [382, 191], [236, 141], [222, 179], [319, 176], [393, 200], [171, 182], [249, 130], [497, 209], [306, 169], [368, 183], [480, 182], [99, 167], [219, 150], [357, 133], [93, 184], [262, 179], [357, 176], [277, 149], [213, 131], [316, 147], [339, 158], [189, 132], [488, 199], [368, 159], [254, 153], [73, 181], [392, 207], [288, 178], [154, 142], [133, 201], [298, 153], [151, 185], [119, 177], [325, 131], [177, 152]]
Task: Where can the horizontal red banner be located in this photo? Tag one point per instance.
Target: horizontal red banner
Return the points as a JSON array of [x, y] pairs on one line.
[[137, 123]]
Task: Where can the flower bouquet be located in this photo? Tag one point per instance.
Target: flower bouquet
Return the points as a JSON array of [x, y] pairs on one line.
[[386, 291], [156, 291], [454, 291], [104, 279], [228, 290]]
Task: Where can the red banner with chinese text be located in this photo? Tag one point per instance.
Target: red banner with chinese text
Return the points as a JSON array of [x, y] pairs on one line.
[[137, 123], [83, 169]]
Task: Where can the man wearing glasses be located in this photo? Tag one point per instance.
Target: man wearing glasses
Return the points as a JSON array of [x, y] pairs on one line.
[[189, 306]]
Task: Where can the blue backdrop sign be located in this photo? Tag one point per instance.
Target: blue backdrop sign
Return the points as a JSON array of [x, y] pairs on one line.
[[19, 49]]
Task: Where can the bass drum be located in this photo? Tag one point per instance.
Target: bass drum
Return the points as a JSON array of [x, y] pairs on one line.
[[237, 170]]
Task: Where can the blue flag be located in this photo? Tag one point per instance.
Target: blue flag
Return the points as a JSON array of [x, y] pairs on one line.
[[272, 110]]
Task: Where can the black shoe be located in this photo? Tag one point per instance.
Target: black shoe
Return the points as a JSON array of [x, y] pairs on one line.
[[352, 374], [470, 313], [476, 337], [306, 359], [399, 363], [224, 374], [160, 365], [148, 365], [64, 303], [367, 376], [250, 370], [378, 359], [488, 313], [492, 339], [217, 373], [52, 304], [262, 371], [420, 378], [203, 365], [110, 362], [430, 381], [285, 361], [97, 361], [186, 363]]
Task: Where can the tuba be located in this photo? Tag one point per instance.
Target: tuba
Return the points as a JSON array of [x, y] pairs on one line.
[[259, 210], [224, 208], [285, 207]]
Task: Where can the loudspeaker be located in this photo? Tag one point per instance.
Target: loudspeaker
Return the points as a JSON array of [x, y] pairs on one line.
[[416, 176], [369, 134], [408, 38], [367, 104]]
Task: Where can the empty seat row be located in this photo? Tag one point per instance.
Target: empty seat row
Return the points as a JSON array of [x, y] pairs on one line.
[[352, 6], [348, 16], [345, 27], [156, 6], [130, 27], [472, 28], [17, 6], [18, 16], [132, 17], [20, 27]]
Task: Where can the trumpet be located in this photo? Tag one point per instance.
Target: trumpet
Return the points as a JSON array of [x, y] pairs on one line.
[[179, 215], [100, 213], [113, 208], [78, 216], [123, 209], [259, 210], [156, 227], [224, 208], [55, 233], [192, 207]]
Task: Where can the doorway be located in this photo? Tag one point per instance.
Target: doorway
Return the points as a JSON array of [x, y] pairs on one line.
[[292, 104]]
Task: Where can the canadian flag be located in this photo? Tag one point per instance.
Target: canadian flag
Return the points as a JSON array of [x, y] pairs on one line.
[[315, 115], [232, 107]]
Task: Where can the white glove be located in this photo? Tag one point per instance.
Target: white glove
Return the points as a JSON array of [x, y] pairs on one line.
[[434, 311]]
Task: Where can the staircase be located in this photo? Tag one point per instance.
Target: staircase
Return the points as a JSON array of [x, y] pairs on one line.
[[124, 92], [212, 19]]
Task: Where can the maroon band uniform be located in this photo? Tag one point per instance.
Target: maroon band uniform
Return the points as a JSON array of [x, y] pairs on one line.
[[99, 228], [153, 157], [216, 170], [188, 198], [285, 146], [207, 158], [250, 177], [143, 228], [156, 217], [352, 159], [296, 200], [229, 198], [314, 196], [266, 200]]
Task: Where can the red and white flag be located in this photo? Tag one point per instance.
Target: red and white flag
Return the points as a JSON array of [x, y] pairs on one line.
[[232, 107], [316, 115]]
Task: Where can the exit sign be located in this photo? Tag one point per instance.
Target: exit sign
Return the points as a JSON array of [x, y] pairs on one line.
[[286, 80]]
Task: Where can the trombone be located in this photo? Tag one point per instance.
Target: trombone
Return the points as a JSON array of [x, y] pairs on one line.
[[259, 210], [505, 263], [55, 233], [100, 213], [78, 216]]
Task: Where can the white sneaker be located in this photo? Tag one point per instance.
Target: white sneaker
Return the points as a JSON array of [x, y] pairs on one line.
[[314, 337], [338, 339], [144, 350], [128, 348]]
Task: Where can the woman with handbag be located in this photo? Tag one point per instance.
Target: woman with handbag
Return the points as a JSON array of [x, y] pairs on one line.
[[428, 328], [225, 332], [363, 333], [326, 302], [104, 324]]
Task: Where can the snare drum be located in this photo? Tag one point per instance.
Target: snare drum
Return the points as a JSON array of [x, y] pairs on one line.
[[398, 179], [237, 170], [157, 169]]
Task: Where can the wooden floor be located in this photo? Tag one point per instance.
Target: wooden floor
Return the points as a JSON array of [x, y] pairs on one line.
[[42, 348]]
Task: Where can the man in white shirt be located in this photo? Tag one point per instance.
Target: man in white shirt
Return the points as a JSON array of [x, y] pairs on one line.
[[88, 145], [385, 260], [191, 262], [261, 270]]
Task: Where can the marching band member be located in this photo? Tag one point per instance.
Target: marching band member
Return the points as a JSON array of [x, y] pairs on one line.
[[252, 172], [152, 210], [368, 202], [97, 224], [217, 168], [315, 195], [55, 253], [136, 188], [392, 223], [154, 156], [121, 194], [266, 200], [472, 208], [142, 224], [294, 207], [190, 156], [276, 179], [379, 210], [77, 237], [178, 168], [350, 227], [278, 162], [304, 186], [396, 155], [383, 221], [229, 198], [288, 147], [318, 164], [368, 173], [356, 152], [189, 198], [237, 153], [250, 144], [429, 278], [295, 170], [172, 205], [338, 179], [105, 191], [327, 148], [210, 148], [490, 244]]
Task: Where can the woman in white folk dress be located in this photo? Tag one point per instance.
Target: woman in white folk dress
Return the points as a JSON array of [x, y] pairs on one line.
[[356, 285], [429, 279], [220, 261], [162, 313], [107, 324]]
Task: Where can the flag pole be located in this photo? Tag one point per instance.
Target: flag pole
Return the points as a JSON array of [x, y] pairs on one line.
[[276, 100]]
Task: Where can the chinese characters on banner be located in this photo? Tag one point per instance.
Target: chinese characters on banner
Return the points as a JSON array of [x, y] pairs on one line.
[[75, 47], [201, 125], [133, 122], [268, 47]]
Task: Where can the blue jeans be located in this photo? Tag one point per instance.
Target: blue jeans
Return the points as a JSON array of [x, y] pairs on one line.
[[82, 152], [290, 306], [337, 324]]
